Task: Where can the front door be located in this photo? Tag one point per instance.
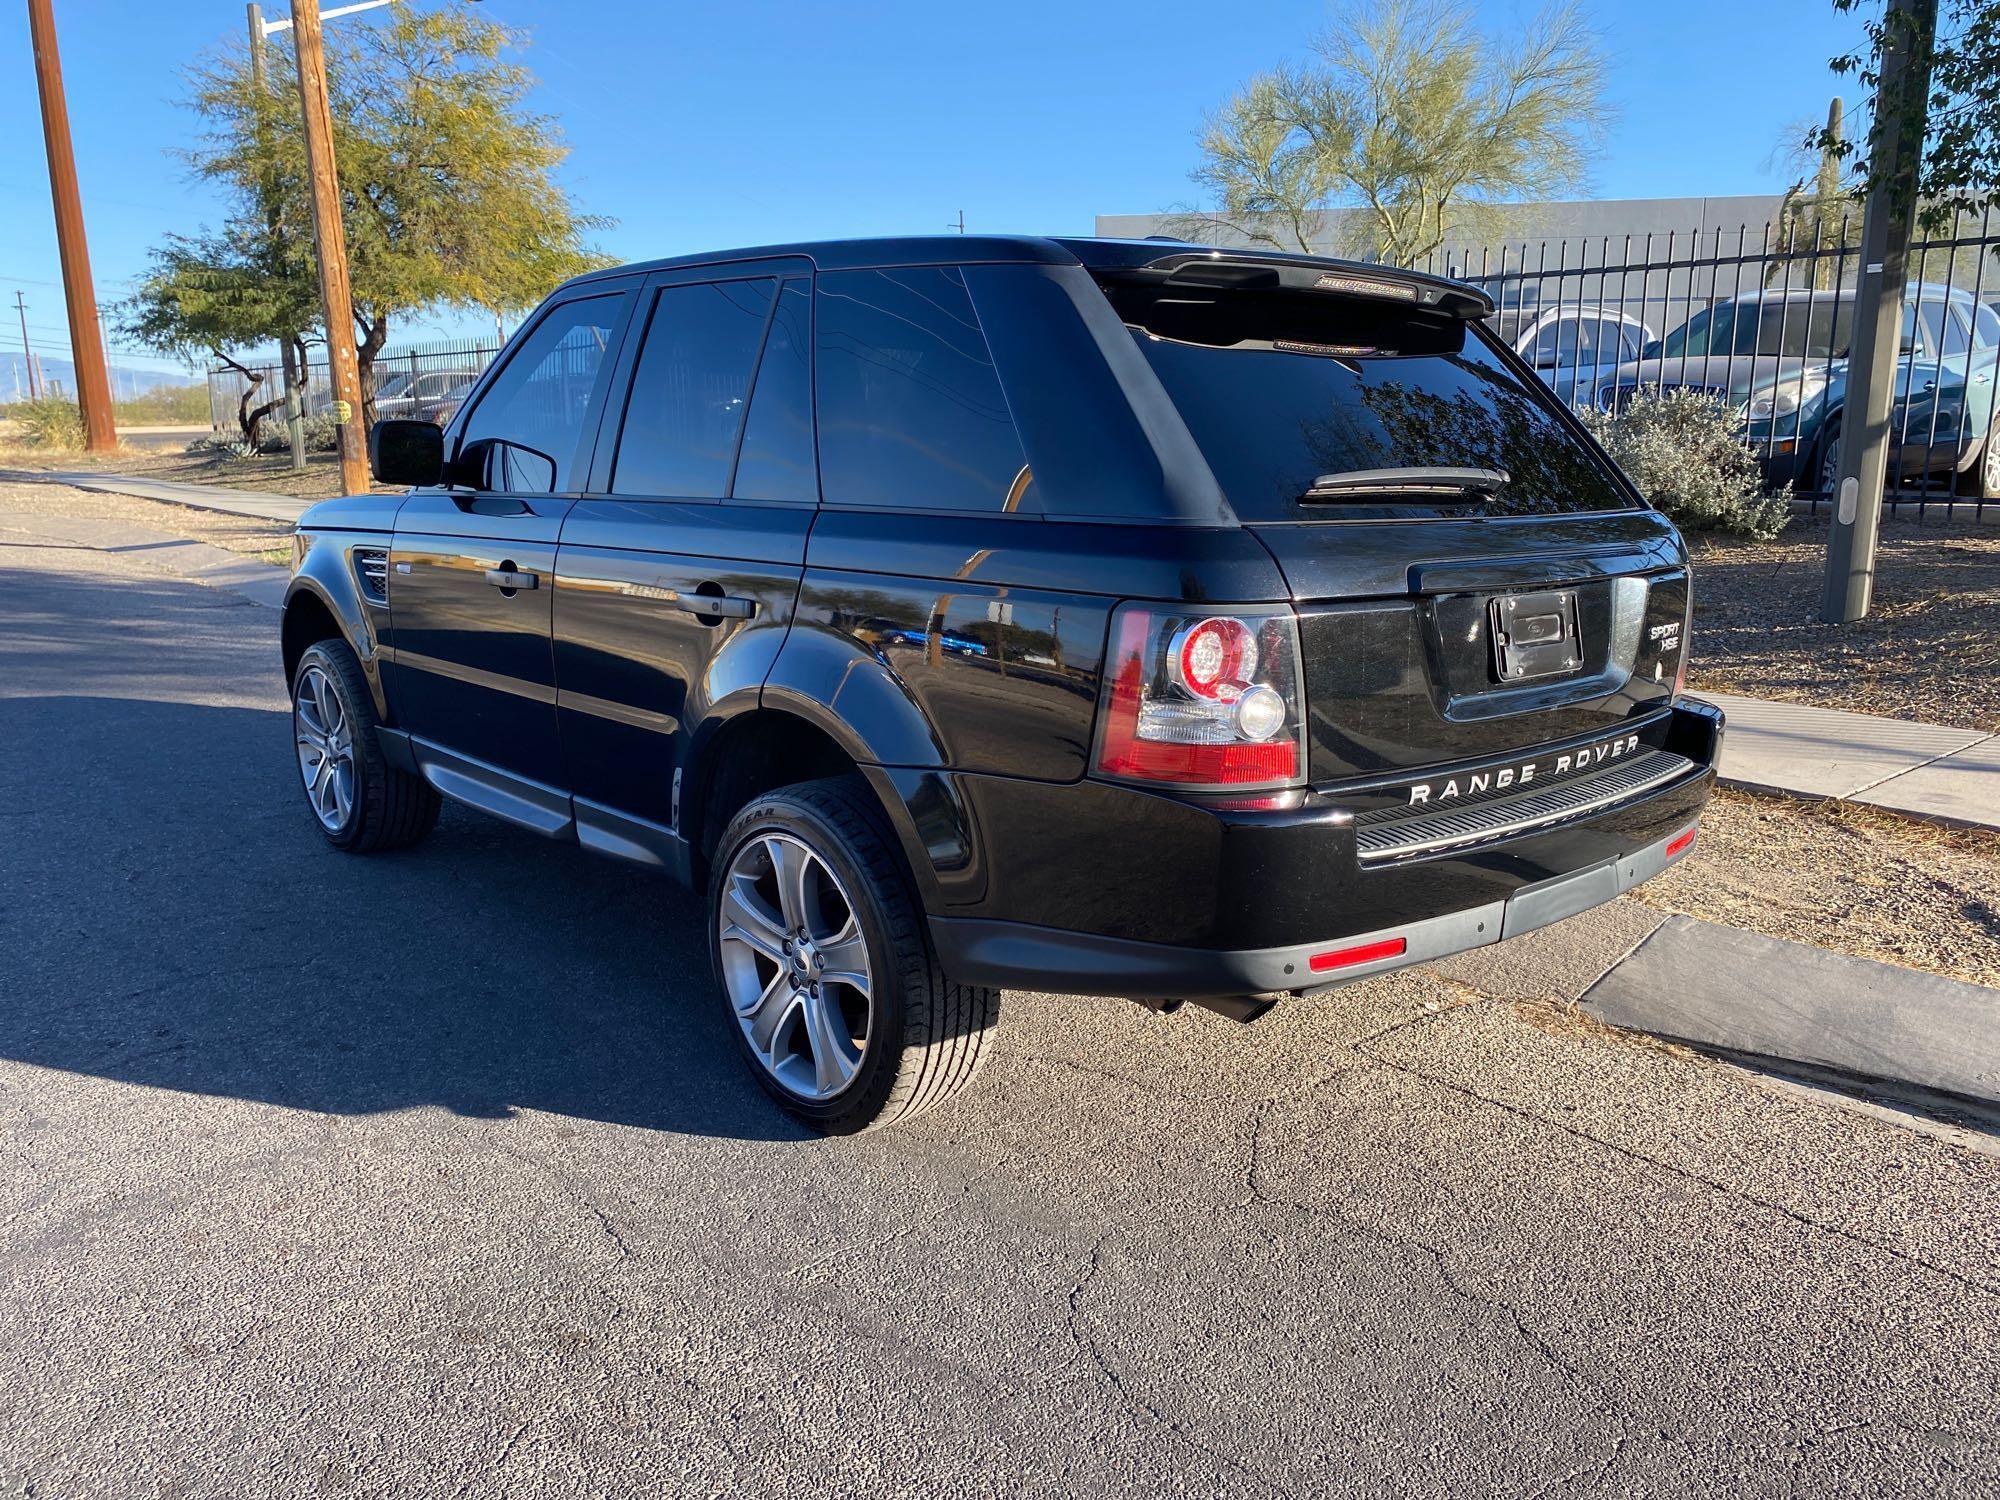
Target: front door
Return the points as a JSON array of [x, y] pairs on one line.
[[472, 568], [679, 568]]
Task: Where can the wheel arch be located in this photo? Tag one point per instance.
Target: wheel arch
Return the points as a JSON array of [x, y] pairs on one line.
[[738, 758]]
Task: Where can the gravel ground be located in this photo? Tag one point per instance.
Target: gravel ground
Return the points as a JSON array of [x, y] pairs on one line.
[[237, 533], [1929, 650], [1845, 878]]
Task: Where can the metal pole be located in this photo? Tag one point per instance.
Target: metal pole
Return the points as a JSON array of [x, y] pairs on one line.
[[93, 385], [330, 247], [27, 350], [295, 417], [1894, 150]]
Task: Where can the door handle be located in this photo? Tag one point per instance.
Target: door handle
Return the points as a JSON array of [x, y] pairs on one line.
[[510, 579], [728, 606]]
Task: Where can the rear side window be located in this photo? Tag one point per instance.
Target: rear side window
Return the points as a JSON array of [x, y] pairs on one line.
[[1282, 388], [911, 412], [689, 390]]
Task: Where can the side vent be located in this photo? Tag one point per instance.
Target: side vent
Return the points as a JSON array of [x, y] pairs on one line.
[[371, 566]]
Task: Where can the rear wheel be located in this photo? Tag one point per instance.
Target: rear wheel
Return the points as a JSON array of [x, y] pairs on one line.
[[361, 803], [822, 958]]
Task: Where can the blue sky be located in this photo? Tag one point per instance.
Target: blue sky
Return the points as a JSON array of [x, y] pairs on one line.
[[699, 126]]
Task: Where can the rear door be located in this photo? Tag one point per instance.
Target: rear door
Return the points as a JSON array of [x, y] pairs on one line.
[[1436, 626], [473, 562], [680, 565]]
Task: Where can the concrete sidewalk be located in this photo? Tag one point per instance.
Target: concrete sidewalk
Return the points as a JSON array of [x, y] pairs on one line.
[[285, 510], [1949, 776]]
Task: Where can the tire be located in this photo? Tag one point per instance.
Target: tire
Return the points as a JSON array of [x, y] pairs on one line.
[[792, 1006], [359, 802], [1826, 462], [1982, 480]]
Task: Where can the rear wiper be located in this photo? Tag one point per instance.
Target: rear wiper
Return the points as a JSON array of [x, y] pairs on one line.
[[1419, 481]]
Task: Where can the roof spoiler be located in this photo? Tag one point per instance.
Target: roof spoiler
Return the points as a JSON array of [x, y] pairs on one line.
[[1220, 269]]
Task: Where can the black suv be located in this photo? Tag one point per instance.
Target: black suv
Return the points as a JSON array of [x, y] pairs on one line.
[[1124, 618]]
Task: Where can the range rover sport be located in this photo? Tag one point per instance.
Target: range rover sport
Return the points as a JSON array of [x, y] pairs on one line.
[[1127, 618]]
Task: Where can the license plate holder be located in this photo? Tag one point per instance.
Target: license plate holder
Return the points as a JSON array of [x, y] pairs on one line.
[[1535, 635]]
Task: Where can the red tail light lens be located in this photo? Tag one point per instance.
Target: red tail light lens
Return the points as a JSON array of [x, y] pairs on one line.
[[1203, 699]]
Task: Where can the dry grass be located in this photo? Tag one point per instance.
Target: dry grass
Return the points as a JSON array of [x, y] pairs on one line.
[[1929, 650], [1843, 877]]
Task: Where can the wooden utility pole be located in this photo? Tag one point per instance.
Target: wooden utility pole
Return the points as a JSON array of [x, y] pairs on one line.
[[93, 384], [330, 246], [27, 349], [1895, 151]]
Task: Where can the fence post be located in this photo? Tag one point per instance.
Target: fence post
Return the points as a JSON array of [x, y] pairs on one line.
[[1893, 157]]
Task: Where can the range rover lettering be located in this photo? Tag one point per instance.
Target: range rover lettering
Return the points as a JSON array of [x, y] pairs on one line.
[[954, 614]]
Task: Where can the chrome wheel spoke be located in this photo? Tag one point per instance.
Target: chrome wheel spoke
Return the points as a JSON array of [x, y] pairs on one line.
[[325, 748], [833, 1051], [790, 864], [845, 956], [803, 996], [746, 920]]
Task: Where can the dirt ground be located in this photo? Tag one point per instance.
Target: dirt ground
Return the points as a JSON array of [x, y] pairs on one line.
[[271, 473], [1929, 650], [264, 539], [1846, 878]]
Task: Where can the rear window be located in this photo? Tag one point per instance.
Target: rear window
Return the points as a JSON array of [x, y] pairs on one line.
[[1282, 388]]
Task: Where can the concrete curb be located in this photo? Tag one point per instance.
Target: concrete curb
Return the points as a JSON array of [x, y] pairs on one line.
[[1741, 992], [198, 562]]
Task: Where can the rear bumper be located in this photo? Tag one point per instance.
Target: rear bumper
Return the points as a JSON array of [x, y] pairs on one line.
[[1012, 955], [1215, 903]]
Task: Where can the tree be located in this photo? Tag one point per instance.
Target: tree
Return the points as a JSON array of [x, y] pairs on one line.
[[1411, 117], [1959, 167], [447, 180], [1819, 216], [218, 294]]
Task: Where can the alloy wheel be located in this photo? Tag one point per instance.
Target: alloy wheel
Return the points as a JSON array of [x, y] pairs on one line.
[[326, 748], [795, 964], [1829, 468]]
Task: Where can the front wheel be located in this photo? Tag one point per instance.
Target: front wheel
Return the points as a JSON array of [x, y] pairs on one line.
[[1829, 460], [821, 956], [361, 802]]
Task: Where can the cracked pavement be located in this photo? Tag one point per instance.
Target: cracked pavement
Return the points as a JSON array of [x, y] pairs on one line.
[[437, 1175]]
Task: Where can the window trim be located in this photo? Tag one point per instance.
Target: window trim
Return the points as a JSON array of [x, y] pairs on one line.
[[621, 288], [812, 394]]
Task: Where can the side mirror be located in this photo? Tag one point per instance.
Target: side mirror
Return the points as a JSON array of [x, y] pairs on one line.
[[402, 452], [509, 468]]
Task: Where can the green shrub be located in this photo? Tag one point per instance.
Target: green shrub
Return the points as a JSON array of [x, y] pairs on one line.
[[52, 422], [322, 434], [1681, 449]]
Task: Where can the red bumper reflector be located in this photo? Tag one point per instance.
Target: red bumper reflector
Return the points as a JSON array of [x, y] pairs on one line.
[[1681, 844], [1363, 953]]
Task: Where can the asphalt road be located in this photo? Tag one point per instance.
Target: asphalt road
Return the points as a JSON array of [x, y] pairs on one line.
[[435, 1175]]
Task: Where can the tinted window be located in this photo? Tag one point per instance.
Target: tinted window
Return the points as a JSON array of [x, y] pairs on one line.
[[546, 396], [1279, 389], [910, 407], [688, 391], [1985, 326], [1942, 329], [777, 460]]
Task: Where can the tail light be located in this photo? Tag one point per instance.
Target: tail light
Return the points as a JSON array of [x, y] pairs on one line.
[[1201, 699]]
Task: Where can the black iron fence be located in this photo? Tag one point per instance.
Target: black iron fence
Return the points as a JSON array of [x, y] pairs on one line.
[[1760, 320]]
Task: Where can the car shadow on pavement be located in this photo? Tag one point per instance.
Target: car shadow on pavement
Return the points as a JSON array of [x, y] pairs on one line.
[[170, 916]]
